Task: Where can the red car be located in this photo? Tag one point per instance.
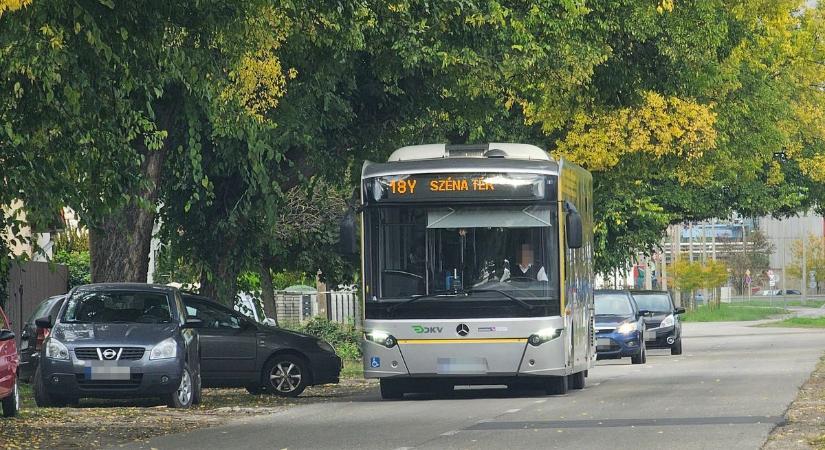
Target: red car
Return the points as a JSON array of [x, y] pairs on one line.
[[9, 395]]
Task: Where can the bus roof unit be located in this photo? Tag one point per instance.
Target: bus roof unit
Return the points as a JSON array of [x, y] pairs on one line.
[[491, 150]]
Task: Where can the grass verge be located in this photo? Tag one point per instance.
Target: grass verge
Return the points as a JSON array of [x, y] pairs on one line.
[[798, 322], [731, 313], [779, 303], [803, 426]]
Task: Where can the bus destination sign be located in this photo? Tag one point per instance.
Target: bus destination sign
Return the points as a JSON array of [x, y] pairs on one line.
[[469, 186]]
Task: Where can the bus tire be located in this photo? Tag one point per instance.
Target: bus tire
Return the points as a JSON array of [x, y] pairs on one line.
[[556, 385], [576, 380], [391, 389]]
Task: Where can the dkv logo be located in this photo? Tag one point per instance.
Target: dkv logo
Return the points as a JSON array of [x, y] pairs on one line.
[[426, 330]]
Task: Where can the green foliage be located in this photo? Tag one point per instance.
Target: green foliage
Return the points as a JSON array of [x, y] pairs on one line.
[[345, 338], [79, 265], [730, 313], [754, 257], [285, 279]]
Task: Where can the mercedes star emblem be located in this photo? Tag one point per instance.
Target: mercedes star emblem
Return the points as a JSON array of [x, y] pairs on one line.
[[109, 353], [462, 329]]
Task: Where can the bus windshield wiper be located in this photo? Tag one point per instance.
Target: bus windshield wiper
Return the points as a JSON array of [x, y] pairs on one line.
[[521, 302], [415, 298]]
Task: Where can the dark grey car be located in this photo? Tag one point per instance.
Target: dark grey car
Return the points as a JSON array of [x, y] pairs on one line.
[[120, 340], [664, 327], [32, 337]]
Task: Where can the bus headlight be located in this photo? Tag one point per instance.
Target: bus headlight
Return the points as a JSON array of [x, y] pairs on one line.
[[381, 338], [627, 327], [542, 336]]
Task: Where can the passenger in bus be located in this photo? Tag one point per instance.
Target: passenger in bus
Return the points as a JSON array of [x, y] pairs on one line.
[[527, 268]]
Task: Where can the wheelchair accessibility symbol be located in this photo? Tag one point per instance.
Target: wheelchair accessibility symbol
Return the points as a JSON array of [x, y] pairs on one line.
[[375, 362]]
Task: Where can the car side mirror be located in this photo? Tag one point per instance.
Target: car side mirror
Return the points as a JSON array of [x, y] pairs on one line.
[[679, 310], [348, 242], [44, 322], [645, 313], [193, 322], [573, 227], [6, 335]]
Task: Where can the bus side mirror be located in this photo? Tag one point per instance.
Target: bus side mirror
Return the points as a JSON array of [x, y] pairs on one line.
[[573, 228], [348, 241]]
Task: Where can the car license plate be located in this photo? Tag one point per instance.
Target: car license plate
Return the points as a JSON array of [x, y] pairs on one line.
[[650, 335], [107, 372], [603, 342]]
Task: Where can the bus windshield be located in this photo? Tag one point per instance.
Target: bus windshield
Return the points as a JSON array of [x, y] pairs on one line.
[[464, 254]]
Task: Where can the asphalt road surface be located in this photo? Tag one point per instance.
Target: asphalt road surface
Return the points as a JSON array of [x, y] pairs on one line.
[[727, 391]]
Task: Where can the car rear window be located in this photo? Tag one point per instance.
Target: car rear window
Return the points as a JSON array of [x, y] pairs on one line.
[[43, 309], [118, 307]]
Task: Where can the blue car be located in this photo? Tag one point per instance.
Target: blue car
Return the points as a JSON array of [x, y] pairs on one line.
[[620, 327]]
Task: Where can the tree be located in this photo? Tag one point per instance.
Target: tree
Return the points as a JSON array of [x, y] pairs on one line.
[[108, 91], [754, 257], [814, 258]]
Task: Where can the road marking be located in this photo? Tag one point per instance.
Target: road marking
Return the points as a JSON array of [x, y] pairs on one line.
[[539, 401], [511, 411], [451, 433], [629, 423]]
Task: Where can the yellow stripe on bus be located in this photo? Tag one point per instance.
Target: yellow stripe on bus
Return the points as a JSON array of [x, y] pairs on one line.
[[464, 341]]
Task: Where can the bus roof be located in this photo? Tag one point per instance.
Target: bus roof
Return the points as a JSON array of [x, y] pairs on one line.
[[443, 158]]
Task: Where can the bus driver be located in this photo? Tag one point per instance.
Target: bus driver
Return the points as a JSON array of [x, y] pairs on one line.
[[527, 267]]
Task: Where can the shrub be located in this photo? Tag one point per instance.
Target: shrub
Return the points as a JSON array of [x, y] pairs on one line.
[[344, 337]]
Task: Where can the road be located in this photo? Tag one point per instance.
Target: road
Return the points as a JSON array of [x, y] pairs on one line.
[[729, 389]]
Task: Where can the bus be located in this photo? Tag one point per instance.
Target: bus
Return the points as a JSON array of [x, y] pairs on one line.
[[477, 265]]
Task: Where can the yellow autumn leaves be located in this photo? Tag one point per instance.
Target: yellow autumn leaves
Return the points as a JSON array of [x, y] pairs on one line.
[[12, 5], [660, 126]]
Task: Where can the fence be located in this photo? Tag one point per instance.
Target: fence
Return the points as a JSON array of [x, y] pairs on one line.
[[337, 306], [29, 284]]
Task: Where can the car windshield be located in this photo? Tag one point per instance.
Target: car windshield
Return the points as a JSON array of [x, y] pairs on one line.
[[43, 309], [613, 305], [118, 307], [654, 302]]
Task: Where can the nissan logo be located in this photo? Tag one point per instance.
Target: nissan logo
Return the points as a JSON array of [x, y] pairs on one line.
[[462, 329], [109, 353]]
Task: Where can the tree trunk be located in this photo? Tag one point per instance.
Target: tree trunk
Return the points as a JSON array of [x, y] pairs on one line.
[[119, 246], [222, 286], [268, 292]]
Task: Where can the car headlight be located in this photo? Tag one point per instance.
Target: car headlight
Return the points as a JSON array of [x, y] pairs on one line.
[[628, 327], [668, 322], [325, 346], [167, 348], [542, 336], [381, 338], [56, 350]]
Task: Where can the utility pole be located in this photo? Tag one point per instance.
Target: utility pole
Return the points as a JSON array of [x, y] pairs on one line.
[[804, 271], [690, 242]]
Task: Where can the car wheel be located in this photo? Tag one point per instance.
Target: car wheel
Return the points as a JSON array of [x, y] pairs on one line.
[[556, 385], [576, 380], [641, 357], [286, 376], [11, 404], [676, 348], [183, 395], [391, 389]]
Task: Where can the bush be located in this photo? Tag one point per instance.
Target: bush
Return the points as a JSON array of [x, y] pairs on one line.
[[345, 338], [79, 265]]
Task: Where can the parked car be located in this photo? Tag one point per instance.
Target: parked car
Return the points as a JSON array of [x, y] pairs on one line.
[[32, 336], [9, 393], [237, 351], [664, 328], [119, 340], [620, 327]]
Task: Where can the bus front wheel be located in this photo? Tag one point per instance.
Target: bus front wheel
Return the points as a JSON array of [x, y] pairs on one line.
[[556, 385], [391, 389]]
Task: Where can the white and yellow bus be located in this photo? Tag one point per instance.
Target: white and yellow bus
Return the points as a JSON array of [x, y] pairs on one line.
[[477, 269]]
